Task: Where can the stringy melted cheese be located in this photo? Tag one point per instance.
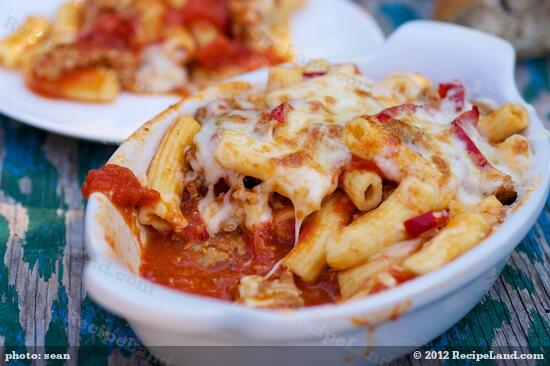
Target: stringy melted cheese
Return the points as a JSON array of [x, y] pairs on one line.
[[318, 110]]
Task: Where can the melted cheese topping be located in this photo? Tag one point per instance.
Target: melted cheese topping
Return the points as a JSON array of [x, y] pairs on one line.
[[474, 183], [342, 93], [303, 156]]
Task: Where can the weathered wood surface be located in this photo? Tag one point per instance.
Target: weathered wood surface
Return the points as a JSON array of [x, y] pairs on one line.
[[43, 302]]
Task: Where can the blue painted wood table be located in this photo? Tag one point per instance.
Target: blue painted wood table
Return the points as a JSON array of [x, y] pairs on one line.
[[43, 302]]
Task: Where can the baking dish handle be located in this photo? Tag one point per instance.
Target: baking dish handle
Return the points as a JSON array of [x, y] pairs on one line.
[[485, 63]]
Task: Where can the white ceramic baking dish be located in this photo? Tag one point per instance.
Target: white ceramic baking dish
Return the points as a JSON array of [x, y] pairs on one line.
[[404, 318]]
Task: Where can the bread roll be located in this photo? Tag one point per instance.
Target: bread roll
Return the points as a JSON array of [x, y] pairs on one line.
[[525, 23]]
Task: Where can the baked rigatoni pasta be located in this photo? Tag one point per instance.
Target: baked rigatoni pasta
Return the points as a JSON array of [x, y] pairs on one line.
[[165, 176], [328, 186], [97, 84], [66, 23], [504, 122], [308, 258], [274, 164], [279, 77], [516, 152], [354, 280], [383, 226], [147, 46], [29, 34], [364, 188], [463, 231]]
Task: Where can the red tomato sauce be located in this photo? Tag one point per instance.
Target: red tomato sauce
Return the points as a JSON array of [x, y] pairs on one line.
[[191, 260], [109, 30], [224, 52], [175, 261], [215, 12], [120, 185], [325, 290]]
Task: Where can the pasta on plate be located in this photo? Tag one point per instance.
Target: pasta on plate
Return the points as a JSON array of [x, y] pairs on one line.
[[324, 187], [93, 49]]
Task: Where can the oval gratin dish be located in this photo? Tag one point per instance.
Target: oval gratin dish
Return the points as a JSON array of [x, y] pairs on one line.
[[403, 318]]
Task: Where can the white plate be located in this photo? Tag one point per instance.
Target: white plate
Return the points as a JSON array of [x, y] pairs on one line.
[[323, 28]]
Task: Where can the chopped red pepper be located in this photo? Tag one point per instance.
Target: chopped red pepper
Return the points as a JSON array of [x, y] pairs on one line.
[[471, 117], [314, 74], [473, 151], [427, 221], [279, 113], [453, 91], [120, 185], [396, 111]]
